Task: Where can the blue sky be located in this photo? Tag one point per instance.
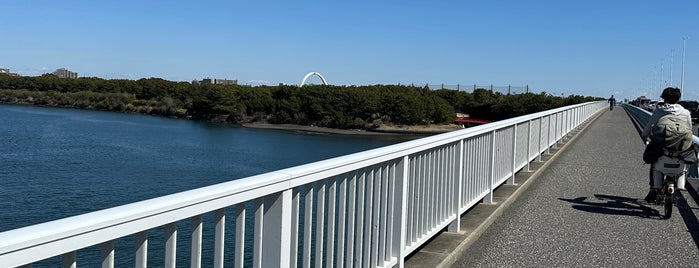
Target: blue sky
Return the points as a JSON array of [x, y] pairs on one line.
[[594, 48]]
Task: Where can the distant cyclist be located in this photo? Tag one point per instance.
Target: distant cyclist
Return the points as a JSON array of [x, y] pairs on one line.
[[612, 102]]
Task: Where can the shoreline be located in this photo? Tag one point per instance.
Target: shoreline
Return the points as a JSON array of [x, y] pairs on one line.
[[381, 131]]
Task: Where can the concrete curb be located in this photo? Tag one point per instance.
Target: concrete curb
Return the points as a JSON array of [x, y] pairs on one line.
[[445, 249]]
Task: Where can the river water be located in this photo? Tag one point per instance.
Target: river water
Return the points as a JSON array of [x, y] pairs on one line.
[[58, 162]]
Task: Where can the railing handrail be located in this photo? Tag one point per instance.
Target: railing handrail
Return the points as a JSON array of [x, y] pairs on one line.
[[65, 235]]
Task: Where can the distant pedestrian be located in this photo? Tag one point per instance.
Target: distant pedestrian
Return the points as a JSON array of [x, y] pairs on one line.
[[612, 102]]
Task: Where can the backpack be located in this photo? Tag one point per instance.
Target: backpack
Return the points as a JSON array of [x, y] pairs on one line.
[[672, 133]]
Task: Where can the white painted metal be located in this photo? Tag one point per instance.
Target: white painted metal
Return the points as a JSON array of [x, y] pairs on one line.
[[307, 225], [239, 260], [331, 212], [320, 222], [341, 219], [69, 260], [219, 236], [257, 252], [295, 204], [107, 253], [141, 249], [351, 223], [197, 225], [381, 204], [171, 245]]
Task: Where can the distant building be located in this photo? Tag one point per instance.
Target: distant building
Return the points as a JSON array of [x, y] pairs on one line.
[[214, 81], [64, 73], [4, 71]]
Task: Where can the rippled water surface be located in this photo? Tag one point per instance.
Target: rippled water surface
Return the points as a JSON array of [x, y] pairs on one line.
[[57, 162]]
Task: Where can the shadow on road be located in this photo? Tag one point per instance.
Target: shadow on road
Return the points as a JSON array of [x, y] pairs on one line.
[[690, 219], [613, 205]]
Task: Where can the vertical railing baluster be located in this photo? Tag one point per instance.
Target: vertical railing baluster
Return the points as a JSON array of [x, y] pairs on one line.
[[489, 198], [68, 260], [375, 222], [295, 204], [368, 219], [276, 237], [257, 252], [511, 181], [107, 254], [320, 223], [529, 145], [195, 254], [171, 245], [361, 210], [141, 257], [385, 201], [219, 236], [400, 221], [458, 162], [351, 224], [390, 212], [412, 202], [342, 216], [240, 235], [330, 238], [307, 225]]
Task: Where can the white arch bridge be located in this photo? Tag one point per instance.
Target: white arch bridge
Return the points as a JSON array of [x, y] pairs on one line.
[[309, 75]]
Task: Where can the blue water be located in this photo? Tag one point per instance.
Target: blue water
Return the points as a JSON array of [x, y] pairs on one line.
[[57, 162]]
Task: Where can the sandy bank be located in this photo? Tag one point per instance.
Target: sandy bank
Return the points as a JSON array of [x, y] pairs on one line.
[[382, 130]]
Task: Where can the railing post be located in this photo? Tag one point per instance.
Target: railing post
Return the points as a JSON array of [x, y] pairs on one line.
[[69, 260], [488, 199], [330, 239], [555, 132], [171, 245], [541, 136], [196, 241], [400, 213], [219, 236], [107, 252], [529, 144], [455, 226], [276, 240], [511, 180], [239, 254], [141, 249]]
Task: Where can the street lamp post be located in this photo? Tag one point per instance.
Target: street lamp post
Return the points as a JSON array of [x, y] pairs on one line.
[[672, 61], [684, 39]]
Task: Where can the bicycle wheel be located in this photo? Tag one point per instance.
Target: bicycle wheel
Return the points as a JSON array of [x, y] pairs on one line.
[[668, 205]]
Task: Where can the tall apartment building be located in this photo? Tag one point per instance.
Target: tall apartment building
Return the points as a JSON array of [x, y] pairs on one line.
[[63, 73]]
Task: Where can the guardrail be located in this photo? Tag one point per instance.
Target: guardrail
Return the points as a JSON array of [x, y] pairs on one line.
[[368, 209]]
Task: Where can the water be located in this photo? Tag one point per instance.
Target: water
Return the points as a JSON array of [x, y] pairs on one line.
[[56, 163]]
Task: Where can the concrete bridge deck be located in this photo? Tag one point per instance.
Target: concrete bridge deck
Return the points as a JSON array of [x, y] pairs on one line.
[[582, 206]]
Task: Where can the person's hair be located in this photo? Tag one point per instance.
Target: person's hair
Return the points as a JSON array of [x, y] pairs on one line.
[[671, 95]]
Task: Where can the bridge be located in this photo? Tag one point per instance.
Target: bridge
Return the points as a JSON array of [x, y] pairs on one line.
[[561, 187]]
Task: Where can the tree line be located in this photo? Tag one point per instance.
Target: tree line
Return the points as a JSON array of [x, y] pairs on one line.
[[321, 105]]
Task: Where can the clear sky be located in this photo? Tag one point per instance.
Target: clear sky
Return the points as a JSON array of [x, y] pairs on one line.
[[592, 48]]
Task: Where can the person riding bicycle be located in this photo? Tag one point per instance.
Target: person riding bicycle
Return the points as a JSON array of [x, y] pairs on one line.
[[612, 102], [671, 96]]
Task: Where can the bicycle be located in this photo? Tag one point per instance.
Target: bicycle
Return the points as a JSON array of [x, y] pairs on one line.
[[669, 170]]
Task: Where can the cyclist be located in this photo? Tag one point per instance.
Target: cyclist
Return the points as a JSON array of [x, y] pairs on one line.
[[671, 96], [612, 102]]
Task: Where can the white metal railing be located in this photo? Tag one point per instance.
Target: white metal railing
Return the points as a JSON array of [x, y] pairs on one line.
[[368, 209]]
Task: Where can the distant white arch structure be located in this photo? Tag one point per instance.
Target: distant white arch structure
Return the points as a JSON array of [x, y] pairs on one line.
[[309, 75]]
